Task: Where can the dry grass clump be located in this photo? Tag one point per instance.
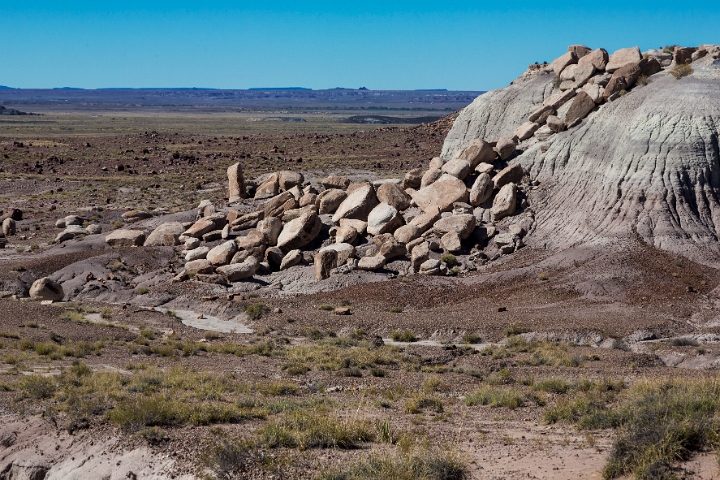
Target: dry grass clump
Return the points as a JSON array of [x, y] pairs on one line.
[[403, 336], [680, 70], [419, 464], [305, 430], [496, 397]]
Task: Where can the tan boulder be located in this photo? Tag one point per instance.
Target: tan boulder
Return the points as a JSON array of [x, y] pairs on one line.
[[393, 195], [271, 228], [279, 204], [583, 74], [125, 238], [624, 78], [594, 91], [299, 232], [649, 66], [9, 227], [568, 73], [555, 124], [451, 242], [167, 235], [344, 252], [253, 239], [407, 233], [335, 181], [559, 99], [240, 271], [329, 200], [623, 57], [509, 174], [683, 55], [358, 204], [430, 176], [346, 234], [526, 130], [249, 220], [292, 258], [505, 202], [419, 254], [46, 289], [268, 188], [505, 148], [559, 64], [441, 194], [581, 105], [481, 189], [323, 262], [384, 218], [579, 50], [484, 168], [359, 225], [135, 215], [288, 179], [597, 58], [477, 151], [540, 114], [308, 199], [413, 178], [462, 224], [222, 254], [426, 219], [371, 263], [200, 265], [236, 183], [457, 167], [436, 163]]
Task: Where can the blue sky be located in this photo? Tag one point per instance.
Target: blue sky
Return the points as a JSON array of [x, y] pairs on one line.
[[323, 44]]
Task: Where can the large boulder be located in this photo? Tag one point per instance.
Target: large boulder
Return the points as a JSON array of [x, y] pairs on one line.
[[371, 263], [125, 238], [432, 175], [383, 218], [413, 178], [268, 188], [623, 57], [407, 233], [393, 195], [457, 167], [271, 228], [505, 202], [505, 147], [249, 220], [597, 58], [540, 114], [451, 242], [279, 204], [462, 224], [288, 179], [584, 73], [580, 107], [222, 254], [323, 263], [509, 174], [46, 289], [579, 50], [240, 271], [346, 234], [344, 252], [683, 55], [253, 239], [477, 151], [557, 100], [559, 64], [594, 91], [299, 232], [359, 225], [196, 254], [167, 235], [426, 219], [292, 258], [441, 194], [419, 254], [649, 66], [236, 183], [329, 200], [623, 79], [481, 189], [205, 225], [200, 265], [9, 227], [555, 124], [135, 215], [526, 130], [358, 204], [335, 181]]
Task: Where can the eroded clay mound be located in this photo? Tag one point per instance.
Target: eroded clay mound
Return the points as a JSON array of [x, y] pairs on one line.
[[647, 162]]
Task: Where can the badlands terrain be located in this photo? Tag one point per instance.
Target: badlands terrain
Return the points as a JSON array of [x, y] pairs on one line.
[[527, 288]]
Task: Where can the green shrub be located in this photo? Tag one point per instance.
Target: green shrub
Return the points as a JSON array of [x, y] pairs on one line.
[[403, 336], [38, 387], [396, 309], [515, 330], [256, 310], [142, 290], [472, 338], [326, 306], [449, 259]]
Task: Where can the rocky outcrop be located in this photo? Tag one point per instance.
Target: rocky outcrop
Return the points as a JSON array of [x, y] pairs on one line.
[[125, 238], [46, 289]]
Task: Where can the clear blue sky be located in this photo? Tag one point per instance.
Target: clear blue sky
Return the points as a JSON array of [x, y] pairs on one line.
[[462, 45]]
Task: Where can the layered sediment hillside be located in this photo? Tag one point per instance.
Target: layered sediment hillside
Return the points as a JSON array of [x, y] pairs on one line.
[[646, 162]]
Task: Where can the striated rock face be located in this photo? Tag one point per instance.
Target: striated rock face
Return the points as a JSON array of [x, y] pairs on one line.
[[649, 162]]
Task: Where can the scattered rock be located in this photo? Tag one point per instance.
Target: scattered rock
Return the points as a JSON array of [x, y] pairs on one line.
[[526, 130], [623, 57], [196, 254], [623, 79], [46, 289], [597, 58], [346, 234], [458, 168], [240, 271], [324, 262], [335, 181], [393, 195], [358, 204], [9, 228], [462, 225], [236, 183], [559, 64], [505, 202], [167, 234], [407, 233], [201, 265], [555, 124], [95, 229], [413, 178], [451, 242], [134, 216], [509, 174], [477, 151], [581, 105], [287, 179], [430, 267], [430, 177], [222, 254], [383, 219], [125, 238], [441, 194], [505, 148], [299, 232], [292, 258], [271, 228]]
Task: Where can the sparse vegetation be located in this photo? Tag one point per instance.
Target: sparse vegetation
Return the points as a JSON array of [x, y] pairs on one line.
[[256, 310], [403, 336], [681, 70]]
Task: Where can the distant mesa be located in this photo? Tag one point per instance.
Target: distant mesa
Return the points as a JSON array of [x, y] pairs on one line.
[[12, 111], [278, 89], [385, 120]]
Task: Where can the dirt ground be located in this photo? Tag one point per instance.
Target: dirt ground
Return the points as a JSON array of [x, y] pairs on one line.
[[534, 319]]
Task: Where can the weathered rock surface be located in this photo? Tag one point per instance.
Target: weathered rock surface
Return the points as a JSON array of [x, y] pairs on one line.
[[505, 147], [476, 152], [481, 189], [441, 194], [623, 79], [236, 183], [9, 228], [623, 57], [358, 204], [46, 289], [383, 218], [222, 254], [505, 201], [597, 58], [560, 63], [393, 195], [462, 225], [299, 232], [167, 234], [125, 238], [581, 105], [510, 174], [240, 271], [457, 167]]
